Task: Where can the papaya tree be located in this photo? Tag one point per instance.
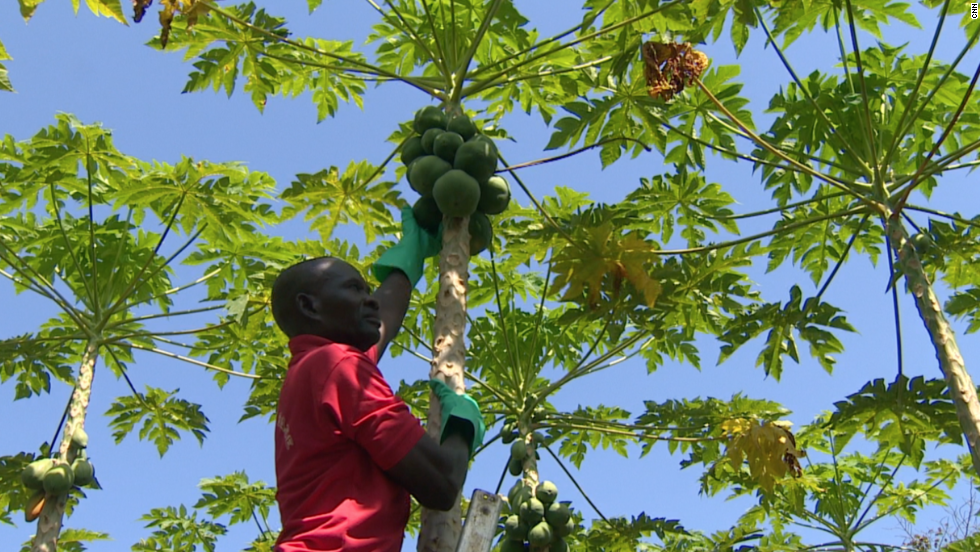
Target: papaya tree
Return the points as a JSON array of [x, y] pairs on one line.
[[110, 278], [847, 159]]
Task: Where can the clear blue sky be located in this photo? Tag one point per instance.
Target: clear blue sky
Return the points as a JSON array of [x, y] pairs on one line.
[[100, 71]]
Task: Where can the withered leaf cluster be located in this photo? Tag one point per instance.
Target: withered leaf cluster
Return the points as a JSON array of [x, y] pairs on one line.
[[669, 67]]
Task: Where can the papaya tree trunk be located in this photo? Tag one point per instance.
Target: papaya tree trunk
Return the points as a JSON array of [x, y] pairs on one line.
[[50, 520], [961, 387], [441, 530]]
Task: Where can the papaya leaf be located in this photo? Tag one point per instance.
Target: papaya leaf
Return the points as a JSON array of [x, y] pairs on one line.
[[583, 429], [162, 414], [620, 534], [331, 198], [965, 304], [73, 540], [4, 79], [904, 415], [13, 495], [700, 422], [226, 51], [963, 545], [32, 359], [106, 8], [812, 320], [609, 259], [178, 529], [234, 496]]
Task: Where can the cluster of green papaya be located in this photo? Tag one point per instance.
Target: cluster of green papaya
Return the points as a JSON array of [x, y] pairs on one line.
[[49, 477], [451, 165], [540, 520]]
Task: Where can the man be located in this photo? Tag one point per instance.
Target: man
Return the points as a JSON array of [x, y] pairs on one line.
[[348, 451]]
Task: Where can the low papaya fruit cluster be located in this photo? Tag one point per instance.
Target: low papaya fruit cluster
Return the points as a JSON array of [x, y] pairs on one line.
[[50, 477], [451, 165], [540, 522]]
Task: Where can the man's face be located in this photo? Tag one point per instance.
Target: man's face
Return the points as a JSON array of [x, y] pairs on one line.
[[340, 305]]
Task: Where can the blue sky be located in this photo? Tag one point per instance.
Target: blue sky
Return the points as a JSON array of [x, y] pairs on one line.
[[100, 71]]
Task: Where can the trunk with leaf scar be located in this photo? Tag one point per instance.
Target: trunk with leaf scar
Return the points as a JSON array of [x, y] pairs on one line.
[[441, 530]]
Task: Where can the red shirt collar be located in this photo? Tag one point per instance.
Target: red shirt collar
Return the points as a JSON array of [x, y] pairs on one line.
[[302, 344]]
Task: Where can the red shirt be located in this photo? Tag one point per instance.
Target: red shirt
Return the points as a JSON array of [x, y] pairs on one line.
[[338, 427]]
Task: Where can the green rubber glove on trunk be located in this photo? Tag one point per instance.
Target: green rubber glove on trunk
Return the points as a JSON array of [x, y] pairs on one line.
[[410, 253], [460, 413]]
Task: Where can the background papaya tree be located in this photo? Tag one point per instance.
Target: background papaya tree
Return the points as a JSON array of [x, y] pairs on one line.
[[621, 289]]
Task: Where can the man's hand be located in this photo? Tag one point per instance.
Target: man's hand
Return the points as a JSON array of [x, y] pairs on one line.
[[460, 415], [409, 254]]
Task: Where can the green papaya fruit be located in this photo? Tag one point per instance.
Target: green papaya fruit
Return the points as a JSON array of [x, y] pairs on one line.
[[79, 439], [83, 471], [518, 450], [32, 475], [428, 117], [412, 150], [567, 529], [514, 529], [59, 479], [557, 514], [462, 125], [446, 144], [507, 545], [546, 492], [429, 138], [540, 535], [515, 466], [532, 512], [519, 494]]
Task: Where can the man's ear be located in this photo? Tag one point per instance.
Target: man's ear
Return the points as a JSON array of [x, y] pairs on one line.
[[307, 306]]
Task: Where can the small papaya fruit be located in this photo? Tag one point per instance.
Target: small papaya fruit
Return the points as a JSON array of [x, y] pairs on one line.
[[507, 545], [557, 514], [32, 475], [515, 466], [429, 138], [79, 439], [34, 506], [58, 479], [514, 529], [519, 494], [540, 534], [83, 472], [446, 144], [462, 125], [412, 150], [546, 492], [532, 512], [518, 450], [428, 117], [566, 529]]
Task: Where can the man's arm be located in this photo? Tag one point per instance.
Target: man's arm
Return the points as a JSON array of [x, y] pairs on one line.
[[433, 473], [393, 296]]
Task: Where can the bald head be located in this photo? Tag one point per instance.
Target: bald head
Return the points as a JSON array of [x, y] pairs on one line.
[[301, 278], [329, 298]]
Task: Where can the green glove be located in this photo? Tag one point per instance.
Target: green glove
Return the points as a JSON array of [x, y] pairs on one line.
[[409, 254], [459, 412]]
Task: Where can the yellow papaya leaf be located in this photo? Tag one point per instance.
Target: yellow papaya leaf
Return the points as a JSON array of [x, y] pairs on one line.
[[106, 8], [605, 253], [28, 7], [768, 447]]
